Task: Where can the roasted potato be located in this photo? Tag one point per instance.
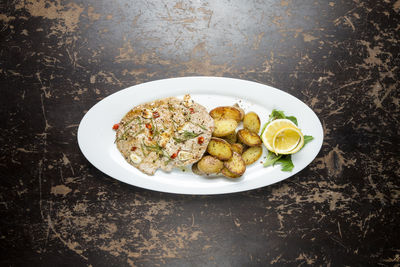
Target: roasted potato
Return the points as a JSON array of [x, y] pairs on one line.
[[238, 148], [249, 138], [231, 138], [195, 169], [219, 148], [226, 112], [224, 127], [252, 154], [235, 164], [225, 172], [252, 122], [241, 111], [210, 165]]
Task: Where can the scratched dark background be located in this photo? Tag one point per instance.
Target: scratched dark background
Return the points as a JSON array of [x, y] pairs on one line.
[[58, 58]]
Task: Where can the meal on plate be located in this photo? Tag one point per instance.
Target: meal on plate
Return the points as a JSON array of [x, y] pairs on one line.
[[164, 134], [171, 132]]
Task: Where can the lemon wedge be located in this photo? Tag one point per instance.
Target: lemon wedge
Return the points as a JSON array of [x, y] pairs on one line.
[[287, 141], [272, 129]]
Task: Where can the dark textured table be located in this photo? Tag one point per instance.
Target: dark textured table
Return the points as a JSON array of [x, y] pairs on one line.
[[58, 58]]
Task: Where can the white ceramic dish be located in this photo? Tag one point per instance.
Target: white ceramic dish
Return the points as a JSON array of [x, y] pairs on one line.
[[96, 137]]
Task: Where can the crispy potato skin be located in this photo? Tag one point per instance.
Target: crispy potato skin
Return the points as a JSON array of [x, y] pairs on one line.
[[224, 127], [219, 148], [210, 165], [226, 112], [235, 164], [252, 122], [238, 148], [225, 172], [249, 138], [195, 169], [252, 154], [240, 109], [231, 138]]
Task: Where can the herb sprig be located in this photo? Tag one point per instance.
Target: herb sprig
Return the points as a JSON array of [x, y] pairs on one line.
[[186, 136]]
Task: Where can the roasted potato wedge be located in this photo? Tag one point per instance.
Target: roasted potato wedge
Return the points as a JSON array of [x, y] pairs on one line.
[[252, 154], [224, 127], [252, 122], [195, 169], [231, 138], [225, 172], [235, 164], [210, 165], [238, 148], [219, 148], [241, 111], [226, 112], [249, 138]]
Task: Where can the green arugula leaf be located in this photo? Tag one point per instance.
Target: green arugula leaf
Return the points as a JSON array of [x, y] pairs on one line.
[[286, 163], [271, 159], [292, 119], [276, 114], [307, 139], [284, 160]]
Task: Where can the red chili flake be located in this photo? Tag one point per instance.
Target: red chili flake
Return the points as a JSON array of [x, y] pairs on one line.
[[191, 110], [151, 132], [148, 126], [156, 114], [150, 139], [175, 154], [200, 140], [115, 126], [133, 148]]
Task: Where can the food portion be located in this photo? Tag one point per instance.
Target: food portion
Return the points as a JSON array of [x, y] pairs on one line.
[[164, 134], [229, 152]]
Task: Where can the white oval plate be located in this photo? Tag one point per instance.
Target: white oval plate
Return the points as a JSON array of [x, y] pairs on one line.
[[96, 137]]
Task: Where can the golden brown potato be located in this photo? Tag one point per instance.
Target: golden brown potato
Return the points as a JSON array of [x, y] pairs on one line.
[[210, 165], [241, 111], [224, 127], [225, 172], [238, 148], [235, 164], [219, 148], [252, 154], [249, 138], [226, 112], [252, 122], [195, 169], [231, 138]]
